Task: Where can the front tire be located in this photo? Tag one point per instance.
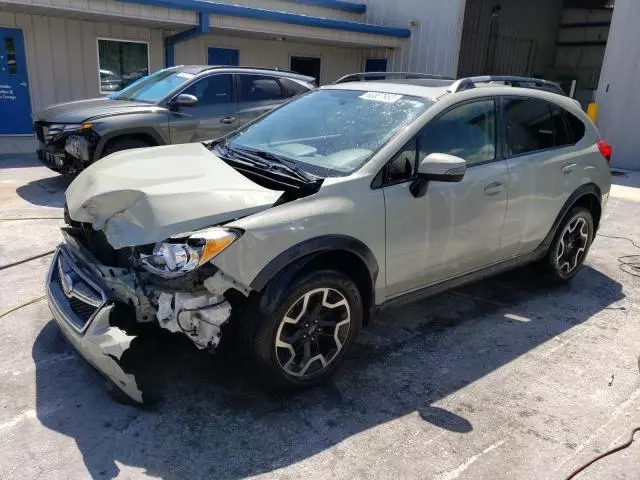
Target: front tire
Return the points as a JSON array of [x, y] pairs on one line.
[[303, 341], [570, 245]]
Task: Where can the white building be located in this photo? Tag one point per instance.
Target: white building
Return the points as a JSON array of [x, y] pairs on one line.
[[54, 51], [619, 88], [58, 50]]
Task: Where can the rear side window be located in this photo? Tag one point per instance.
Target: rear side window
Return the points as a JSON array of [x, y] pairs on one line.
[[291, 88], [529, 125], [576, 127], [258, 88]]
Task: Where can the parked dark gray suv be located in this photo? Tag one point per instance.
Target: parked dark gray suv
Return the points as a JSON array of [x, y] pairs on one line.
[[176, 105]]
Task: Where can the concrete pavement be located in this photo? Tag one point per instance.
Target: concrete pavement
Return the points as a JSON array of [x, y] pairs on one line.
[[505, 379]]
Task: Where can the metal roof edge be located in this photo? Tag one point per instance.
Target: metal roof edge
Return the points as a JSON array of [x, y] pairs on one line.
[[275, 16]]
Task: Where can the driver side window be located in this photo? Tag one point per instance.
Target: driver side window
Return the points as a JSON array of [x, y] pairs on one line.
[[212, 90], [467, 131]]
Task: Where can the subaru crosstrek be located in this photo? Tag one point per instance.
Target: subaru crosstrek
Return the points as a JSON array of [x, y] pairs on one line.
[[297, 228]]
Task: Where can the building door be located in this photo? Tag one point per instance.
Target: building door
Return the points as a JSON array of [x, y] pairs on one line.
[[223, 56], [307, 66], [375, 65], [15, 105]]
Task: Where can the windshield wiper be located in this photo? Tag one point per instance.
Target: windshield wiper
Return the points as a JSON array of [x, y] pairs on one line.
[[241, 155], [277, 161]]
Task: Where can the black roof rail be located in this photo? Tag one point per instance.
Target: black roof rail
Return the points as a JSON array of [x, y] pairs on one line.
[[514, 81], [362, 76]]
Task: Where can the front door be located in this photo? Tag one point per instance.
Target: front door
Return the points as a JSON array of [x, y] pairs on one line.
[[15, 105], [223, 56], [454, 228], [212, 117]]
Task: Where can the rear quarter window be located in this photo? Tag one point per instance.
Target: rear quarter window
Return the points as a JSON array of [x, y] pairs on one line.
[[291, 88], [576, 127]]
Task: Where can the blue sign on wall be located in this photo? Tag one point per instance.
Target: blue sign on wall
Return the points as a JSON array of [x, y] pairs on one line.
[[15, 105]]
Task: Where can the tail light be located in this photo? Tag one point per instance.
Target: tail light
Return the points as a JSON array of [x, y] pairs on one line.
[[605, 150]]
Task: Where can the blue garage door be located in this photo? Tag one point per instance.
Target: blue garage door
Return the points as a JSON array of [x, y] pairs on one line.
[[223, 56], [15, 106]]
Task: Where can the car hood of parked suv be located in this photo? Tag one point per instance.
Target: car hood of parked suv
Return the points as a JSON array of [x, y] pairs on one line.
[[147, 195], [92, 109]]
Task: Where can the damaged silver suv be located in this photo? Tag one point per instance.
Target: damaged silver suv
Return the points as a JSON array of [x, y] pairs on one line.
[[298, 227]]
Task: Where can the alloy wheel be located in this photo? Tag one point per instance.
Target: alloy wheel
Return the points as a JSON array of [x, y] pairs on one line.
[[313, 332], [573, 245]]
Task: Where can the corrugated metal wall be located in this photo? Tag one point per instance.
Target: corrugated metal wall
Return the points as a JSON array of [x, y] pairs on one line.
[[435, 39], [619, 86], [580, 52], [520, 40], [62, 58], [112, 8]]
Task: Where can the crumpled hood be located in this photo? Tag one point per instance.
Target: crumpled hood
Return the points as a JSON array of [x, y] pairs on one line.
[[82, 110], [147, 195]]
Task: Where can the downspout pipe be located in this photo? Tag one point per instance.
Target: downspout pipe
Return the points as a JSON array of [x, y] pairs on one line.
[[170, 42]]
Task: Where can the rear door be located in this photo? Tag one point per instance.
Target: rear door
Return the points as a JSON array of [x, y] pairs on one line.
[[214, 115], [454, 228], [544, 168], [257, 94]]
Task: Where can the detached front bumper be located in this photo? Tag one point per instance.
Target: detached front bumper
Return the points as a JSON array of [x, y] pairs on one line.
[[81, 307], [96, 306]]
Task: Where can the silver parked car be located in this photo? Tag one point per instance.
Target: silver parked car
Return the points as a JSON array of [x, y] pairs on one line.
[[299, 226]]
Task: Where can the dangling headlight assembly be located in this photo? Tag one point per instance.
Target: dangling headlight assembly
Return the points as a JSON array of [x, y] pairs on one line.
[[171, 259]]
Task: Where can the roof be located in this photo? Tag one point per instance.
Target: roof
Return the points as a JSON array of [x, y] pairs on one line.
[[436, 88]]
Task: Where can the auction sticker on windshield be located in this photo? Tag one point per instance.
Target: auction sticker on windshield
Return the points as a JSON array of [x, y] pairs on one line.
[[185, 75], [381, 97]]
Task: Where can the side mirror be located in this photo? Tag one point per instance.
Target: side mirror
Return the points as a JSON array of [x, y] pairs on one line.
[[441, 167], [184, 100], [438, 167]]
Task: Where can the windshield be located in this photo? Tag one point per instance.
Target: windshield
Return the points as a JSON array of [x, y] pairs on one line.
[[154, 87], [331, 132]]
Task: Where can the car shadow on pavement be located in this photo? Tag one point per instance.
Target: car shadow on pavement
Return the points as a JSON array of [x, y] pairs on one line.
[[213, 423], [47, 192]]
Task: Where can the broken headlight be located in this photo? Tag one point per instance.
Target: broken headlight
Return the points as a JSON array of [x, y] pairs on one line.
[[172, 259]]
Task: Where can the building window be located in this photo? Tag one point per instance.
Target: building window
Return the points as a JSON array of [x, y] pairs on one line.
[[307, 66], [121, 63], [12, 64]]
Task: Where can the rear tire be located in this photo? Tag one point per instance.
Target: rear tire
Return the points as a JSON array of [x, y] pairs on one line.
[[124, 144], [305, 338], [570, 246]]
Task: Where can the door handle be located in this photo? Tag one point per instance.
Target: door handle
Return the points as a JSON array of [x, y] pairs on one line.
[[569, 168], [228, 120], [493, 188]]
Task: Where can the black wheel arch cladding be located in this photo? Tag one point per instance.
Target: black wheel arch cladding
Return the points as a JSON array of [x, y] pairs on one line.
[[587, 195], [117, 135], [278, 274]]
